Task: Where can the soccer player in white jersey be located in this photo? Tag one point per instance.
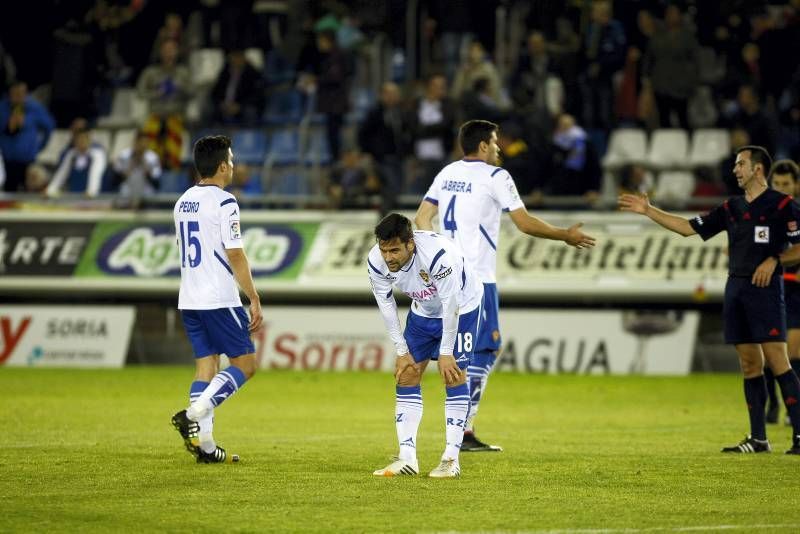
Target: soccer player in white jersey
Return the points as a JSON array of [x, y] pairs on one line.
[[469, 196], [212, 262], [441, 324]]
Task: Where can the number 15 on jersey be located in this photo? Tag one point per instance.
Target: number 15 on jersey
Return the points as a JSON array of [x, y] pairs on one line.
[[189, 240]]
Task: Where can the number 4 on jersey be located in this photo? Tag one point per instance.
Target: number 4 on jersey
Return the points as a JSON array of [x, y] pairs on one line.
[[450, 217]]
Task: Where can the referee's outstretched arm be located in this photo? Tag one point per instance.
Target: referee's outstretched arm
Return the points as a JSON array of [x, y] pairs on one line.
[[641, 204]]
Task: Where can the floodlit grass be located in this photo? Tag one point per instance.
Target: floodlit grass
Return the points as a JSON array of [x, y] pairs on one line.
[[94, 451]]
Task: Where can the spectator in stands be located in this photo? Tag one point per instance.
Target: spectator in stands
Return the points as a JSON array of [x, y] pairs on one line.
[[635, 179], [8, 69], [670, 67], [477, 103], [576, 168], [565, 49], [81, 170], [237, 96], [524, 164], [330, 78], [603, 55], [352, 180], [432, 123], [78, 125], [166, 86], [790, 117], [738, 138], [382, 136], [172, 30], [137, 171], [536, 86], [760, 125], [25, 127], [36, 178], [75, 73], [477, 66]]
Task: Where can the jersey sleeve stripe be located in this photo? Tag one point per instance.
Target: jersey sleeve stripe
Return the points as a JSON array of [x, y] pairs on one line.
[[506, 210], [783, 203], [498, 169], [464, 280], [223, 262], [435, 259], [432, 201], [373, 267], [486, 235], [228, 201]]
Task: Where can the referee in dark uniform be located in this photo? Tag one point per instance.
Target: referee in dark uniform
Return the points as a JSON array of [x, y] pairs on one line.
[[759, 224]]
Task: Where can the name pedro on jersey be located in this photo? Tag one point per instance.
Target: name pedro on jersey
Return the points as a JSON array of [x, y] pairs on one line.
[[456, 186], [188, 207]]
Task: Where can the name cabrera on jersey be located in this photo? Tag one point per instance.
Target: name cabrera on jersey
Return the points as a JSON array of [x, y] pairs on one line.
[[471, 195], [207, 223], [437, 270]]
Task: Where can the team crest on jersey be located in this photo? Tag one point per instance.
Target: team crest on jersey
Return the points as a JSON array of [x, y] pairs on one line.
[[761, 234], [236, 231], [495, 335], [425, 277]]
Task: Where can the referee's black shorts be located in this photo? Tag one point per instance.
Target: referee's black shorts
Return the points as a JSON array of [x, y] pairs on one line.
[[754, 314]]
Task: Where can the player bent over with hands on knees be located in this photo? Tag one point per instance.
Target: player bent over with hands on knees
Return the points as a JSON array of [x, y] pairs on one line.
[[759, 225], [441, 324], [212, 262]]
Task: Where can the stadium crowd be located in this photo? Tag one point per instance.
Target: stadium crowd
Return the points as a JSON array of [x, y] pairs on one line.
[[341, 100]]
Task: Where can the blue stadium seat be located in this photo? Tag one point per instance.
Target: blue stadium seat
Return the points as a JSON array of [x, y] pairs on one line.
[[250, 146], [174, 182], [284, 107], [318, 149], [289, 184], [285, 147]]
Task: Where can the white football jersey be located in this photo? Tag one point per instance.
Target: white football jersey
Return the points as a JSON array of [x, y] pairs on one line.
[[207, 223], [471, 195], [436, 277]]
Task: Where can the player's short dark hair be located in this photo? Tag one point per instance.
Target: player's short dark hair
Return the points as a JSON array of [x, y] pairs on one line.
[[758, 154], [472, 133], [786, 166], [209, 153], [392, 226]]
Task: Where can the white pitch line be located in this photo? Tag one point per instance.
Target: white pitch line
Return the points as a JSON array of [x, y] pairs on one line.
[[699, 528]]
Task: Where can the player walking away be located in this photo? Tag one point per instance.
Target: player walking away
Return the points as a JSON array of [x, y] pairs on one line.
[[212, 262], [784, 178], [759, 225], [441, 324], [472, 193]]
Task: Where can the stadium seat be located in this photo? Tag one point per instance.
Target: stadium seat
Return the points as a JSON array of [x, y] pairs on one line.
[[709, 147], [127, 109], [58, 141], [250, 146], [284, 107], [284, 147], [289, 184], [205, 65], [674, 188], [122, 139], [627, 145], [102, 138], [669, 149], [318, 150]]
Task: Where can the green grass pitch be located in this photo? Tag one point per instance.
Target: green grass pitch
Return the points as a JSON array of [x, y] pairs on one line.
[[93, 451]]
